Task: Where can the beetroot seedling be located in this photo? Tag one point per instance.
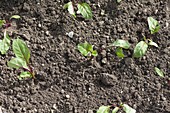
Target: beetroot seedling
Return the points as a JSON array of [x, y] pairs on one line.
[[21, 61], [153, 25], [120, 44], [83, 9], [86, 49], [8, 23], [142, 46], [5, 42]]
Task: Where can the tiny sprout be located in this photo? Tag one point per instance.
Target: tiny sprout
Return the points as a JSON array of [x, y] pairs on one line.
[[86, 49], [153, 25], [159, 72]]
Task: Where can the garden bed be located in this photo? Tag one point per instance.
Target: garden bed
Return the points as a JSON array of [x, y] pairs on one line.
[[66, 81]]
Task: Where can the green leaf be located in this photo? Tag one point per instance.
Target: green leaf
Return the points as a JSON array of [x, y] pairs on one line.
[[115, 110], [25, 74], [153, 25], [15, 17], [17, 63], [151, 43], [5, 43], [21, 50], [140, 49], [70, 8], [104, 109], [2, 22], [119, 52], [128, 109], [85, 10], [159, 72], [121, 43]]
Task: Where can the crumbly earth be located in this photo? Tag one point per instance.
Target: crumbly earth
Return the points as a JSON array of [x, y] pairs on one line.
[[67, 82]]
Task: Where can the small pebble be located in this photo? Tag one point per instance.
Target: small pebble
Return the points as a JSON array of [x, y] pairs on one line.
[[39, 25], [62, 91], [104, 60], [102, 12], [70, 34], [54, 106], [90, 111], [67, 96], [47, 33]]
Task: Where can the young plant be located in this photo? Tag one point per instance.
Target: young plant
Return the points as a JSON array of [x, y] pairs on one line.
[[120, 44], [159, 72], [142, 46], [5, 42], [21, 60], [83, 9], [86, 49], [125, 107], [153, 25]]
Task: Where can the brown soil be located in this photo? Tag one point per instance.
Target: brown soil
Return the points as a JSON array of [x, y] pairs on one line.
[[66, 82]]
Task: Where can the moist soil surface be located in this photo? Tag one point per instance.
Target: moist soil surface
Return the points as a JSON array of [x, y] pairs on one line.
[[67, 82]]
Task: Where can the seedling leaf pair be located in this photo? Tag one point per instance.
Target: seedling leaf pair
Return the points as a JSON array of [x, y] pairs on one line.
[[83, 8], [120, 44], [21, 60], [153, 25], [142, 46], [106, 109], [86, 49]]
